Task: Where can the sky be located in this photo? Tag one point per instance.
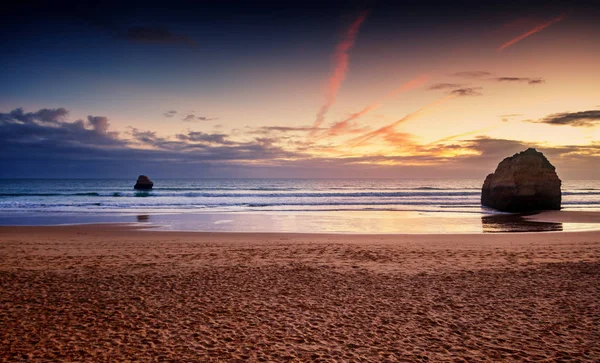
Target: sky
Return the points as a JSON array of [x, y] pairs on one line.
[[329, 89]]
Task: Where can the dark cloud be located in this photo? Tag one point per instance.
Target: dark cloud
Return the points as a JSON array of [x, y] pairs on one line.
[[216, 147], [439, 86], [201, 137], [47, 127], [536, 81], [145, 34], [472, 74], [99, 124], [145, 137], [496, 149], [520, 80], [45, 115], [467, 91], [149, 138], [571, 161], [192, 118], [457, 89], [281, 129], [87, 148], [578, 119], [170, 113], [488, 76]]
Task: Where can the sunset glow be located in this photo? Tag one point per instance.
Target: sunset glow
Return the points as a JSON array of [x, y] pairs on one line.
[[324, 95]]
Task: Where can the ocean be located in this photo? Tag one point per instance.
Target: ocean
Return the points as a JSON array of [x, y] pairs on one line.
[[241, 204]]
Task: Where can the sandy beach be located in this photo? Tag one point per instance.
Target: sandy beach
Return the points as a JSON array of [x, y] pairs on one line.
[[114, 293]]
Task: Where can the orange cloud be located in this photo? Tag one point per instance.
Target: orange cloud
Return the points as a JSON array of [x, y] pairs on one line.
[[345, 125], [413, 83], [400, 138], [340, 67], [361, 140], [389, 129], [531, 32]]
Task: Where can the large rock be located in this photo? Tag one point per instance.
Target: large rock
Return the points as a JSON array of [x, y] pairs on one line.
[[523, 182], [143, 183]]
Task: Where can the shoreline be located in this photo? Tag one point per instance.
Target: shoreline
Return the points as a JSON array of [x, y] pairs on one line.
[[392, 223], [113, 234]]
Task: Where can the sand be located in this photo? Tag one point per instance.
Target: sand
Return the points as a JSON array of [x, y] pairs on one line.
[[114, 293]]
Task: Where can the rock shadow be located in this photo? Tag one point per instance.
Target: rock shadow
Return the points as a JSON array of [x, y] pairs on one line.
[[143, 218], [503, 223]]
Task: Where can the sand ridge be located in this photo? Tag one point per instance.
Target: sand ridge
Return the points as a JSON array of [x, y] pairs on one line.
[[113, 293]]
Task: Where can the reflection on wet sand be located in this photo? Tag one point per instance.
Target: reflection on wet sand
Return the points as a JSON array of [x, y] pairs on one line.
[[516, 223]]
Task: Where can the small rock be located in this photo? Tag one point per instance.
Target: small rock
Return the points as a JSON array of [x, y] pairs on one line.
[[144, 183]]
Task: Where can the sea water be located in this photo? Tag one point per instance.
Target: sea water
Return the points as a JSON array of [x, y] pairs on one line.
[[315, 205]]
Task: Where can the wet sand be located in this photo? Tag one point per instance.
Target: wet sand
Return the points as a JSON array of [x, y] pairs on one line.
[[114, 293], [566, 217]]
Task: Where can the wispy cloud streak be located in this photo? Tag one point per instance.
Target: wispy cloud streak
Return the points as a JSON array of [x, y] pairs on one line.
[[413, 83], [531, 32], [589, 118], [439, 86], [467, 91], [520, 79], [472, 74], [345, 125], [389, 129], [340, 67]]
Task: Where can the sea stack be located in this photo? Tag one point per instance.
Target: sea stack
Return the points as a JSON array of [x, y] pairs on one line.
[[523, 182], [143, 183]]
